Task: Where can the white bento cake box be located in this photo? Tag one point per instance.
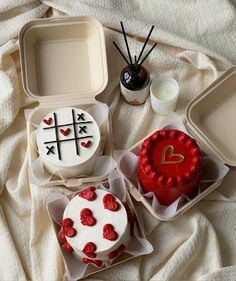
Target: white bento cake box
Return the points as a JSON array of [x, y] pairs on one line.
[[138, 246], [64, 65], [210, 119]]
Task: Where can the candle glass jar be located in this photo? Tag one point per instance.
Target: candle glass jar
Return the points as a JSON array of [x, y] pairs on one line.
[[164, 91]]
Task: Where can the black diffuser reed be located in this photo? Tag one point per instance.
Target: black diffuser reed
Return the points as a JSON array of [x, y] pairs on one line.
[[134, 78]]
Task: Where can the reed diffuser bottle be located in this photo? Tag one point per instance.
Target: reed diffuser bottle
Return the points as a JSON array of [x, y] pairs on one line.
[[134, 78]]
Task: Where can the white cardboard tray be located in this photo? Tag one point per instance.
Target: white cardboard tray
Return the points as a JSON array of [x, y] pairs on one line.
[[211, 121], [64, 63]]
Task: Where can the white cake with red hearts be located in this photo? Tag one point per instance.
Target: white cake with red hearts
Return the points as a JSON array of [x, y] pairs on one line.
[[68, 141], [96, 226]]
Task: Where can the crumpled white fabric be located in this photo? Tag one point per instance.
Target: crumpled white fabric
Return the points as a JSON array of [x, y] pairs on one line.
[[195, 44]]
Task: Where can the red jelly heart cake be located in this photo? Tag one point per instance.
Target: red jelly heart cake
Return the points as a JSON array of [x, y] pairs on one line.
[[170, 164], [96, 226]]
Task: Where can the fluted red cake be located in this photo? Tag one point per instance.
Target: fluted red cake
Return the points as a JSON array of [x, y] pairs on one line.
[[170, 164]]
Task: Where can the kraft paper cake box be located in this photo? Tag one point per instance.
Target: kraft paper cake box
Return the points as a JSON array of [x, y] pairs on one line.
[[64, 63], [53, 207], [211, 121]]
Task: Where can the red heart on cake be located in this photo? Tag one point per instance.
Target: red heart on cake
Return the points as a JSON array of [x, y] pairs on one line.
[[109, 233], [63, 236], [86, 217], [48, 121], [98, 263], [116, 252], [88, 193], [68, 247], [121, 248], [89, 250], [86, 144], [65, 132], [113, 254], [69, 231], [109, 202], [66, 222]]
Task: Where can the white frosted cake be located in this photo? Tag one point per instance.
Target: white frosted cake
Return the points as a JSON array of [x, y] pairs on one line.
[[68, 141], [96, 226]]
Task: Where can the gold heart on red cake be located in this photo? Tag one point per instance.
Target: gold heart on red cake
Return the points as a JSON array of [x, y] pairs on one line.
[[86, 144], [65, 132], [48, 121], [169, 151]]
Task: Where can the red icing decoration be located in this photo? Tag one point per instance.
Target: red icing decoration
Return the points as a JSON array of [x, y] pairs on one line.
[[113, 254], [170, 164], [121, 248], [88, 193], [129, 214], [98, 263], [116, 252], [109, 233], [69, 231], [62, 235], [86, 144], [65, 132], [109, 202], [86, 217], [66, 222], [48, 121], [89, 250], [68, 247]]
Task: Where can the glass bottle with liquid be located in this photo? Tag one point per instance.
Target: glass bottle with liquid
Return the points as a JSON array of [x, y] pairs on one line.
[[134, 84]]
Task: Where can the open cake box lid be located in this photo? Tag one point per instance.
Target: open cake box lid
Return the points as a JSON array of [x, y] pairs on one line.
[[211, 117], [63, 58]]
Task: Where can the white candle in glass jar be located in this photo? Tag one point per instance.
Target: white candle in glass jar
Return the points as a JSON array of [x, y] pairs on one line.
[[164, 94]]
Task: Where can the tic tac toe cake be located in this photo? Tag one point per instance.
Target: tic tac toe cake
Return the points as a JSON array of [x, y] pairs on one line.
[[96, 226], [68, 141], [170, 164]]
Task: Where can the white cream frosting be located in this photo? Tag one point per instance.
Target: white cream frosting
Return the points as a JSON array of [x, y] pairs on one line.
[[85, 234], [68, 157]]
